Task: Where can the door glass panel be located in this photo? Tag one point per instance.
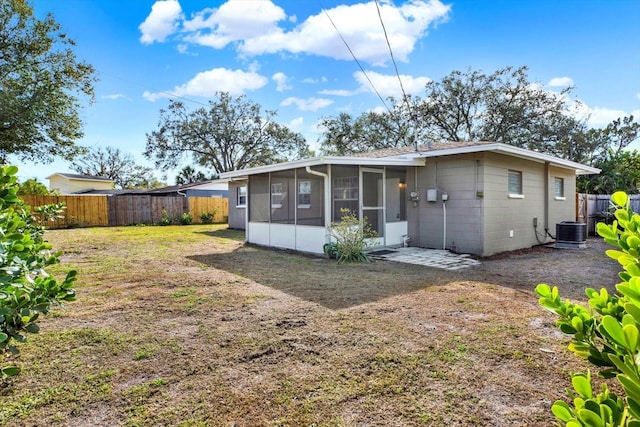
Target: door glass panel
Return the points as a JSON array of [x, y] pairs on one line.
[[373, 200], [372, 189]]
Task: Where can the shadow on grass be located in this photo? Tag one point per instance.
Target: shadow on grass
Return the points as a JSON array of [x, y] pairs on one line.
[[321, 280], [225, 233]]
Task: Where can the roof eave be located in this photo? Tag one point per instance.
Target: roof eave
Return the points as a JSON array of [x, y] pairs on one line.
[[511, 150], [327, 160]]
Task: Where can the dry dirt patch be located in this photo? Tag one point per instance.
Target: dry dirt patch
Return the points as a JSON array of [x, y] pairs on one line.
[[188, 326]]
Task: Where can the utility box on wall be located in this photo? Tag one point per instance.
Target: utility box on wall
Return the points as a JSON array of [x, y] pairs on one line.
[[432, 195]]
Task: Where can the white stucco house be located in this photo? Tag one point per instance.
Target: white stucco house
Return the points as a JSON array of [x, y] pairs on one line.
[[480, 198]]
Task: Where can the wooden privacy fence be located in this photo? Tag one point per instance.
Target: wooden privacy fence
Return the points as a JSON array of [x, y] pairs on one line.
[[594, 208], [102, 210]]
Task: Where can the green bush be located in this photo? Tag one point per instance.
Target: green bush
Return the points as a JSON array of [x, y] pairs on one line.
[[165, 219], [207, 217], [349, 238], [26, 290], [607, 334], [185, 219]]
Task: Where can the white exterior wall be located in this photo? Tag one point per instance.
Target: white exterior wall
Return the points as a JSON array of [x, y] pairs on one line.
[[302, 238]]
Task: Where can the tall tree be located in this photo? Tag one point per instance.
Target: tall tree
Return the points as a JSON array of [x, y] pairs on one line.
[[41, 87], [32, 187], [502, 107], [464, 106], [372, 130], [189, 175], [231, 134], [606, 149], [112, 163]]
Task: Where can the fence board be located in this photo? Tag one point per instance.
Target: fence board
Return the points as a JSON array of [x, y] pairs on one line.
[[218, 206], [81, 211], [101, 210]]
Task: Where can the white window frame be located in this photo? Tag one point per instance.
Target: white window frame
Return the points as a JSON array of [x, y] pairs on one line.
[[512, 194], [276, 194], [306, 186], [558, 195], [240, 194]]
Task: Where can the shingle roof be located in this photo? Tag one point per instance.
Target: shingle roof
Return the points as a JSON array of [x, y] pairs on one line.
[[408, 149], [84, 177]]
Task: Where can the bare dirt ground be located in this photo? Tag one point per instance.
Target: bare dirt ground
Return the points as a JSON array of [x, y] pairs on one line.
[[189, 326]]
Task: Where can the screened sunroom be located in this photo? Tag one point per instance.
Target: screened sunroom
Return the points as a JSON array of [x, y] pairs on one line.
[[292, 207]]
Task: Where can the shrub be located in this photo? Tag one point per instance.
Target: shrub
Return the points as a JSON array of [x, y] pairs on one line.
[[26, 290], [185, 219], [165, 219], [207, 217], [349, 238], [607, 334]]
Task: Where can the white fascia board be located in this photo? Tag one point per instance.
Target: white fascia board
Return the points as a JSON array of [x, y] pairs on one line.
[[511, 150], [317, 161]]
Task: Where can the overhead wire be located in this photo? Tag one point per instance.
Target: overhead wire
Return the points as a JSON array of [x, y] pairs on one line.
[[395, 65], [356, 60]]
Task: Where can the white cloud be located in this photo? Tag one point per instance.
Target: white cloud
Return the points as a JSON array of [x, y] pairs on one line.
[[596, 117], [309, 104], [281, 80], [388, 84], [637, 96], [339, 92], [253, 27], [359, 25], [310, 80], [161, 22], [234, 21], [296, 124], [116, 96], [207, 83], [561, 82]]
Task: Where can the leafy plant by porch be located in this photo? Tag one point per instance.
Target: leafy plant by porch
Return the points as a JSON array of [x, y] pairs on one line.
[[607, 334], [349, 238]]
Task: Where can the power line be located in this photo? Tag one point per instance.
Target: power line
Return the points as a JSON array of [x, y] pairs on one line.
[[386, 37], [357, 62], [395, 65]]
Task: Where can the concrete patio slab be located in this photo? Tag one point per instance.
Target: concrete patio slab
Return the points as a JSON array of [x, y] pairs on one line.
[[436, 258]]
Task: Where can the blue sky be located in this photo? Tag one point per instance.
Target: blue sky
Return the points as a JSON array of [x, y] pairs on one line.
[[287, 56]]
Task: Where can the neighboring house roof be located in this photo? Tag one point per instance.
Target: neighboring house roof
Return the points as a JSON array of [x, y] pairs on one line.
[[409, 156], [80, 177]]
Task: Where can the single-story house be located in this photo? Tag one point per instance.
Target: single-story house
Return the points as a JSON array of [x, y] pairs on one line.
[[69, 183], [215, 188], [480, 198]]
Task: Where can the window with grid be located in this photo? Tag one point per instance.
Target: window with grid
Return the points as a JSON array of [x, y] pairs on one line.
[[304, 194], [276, 195], [559, 187], [241, 200], [515, 182]]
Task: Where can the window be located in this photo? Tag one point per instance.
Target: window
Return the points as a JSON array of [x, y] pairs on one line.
[[242, 196], [276, 195], [515, 184], [559, 188], [344, 190], [310, 197], [304, 194]]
